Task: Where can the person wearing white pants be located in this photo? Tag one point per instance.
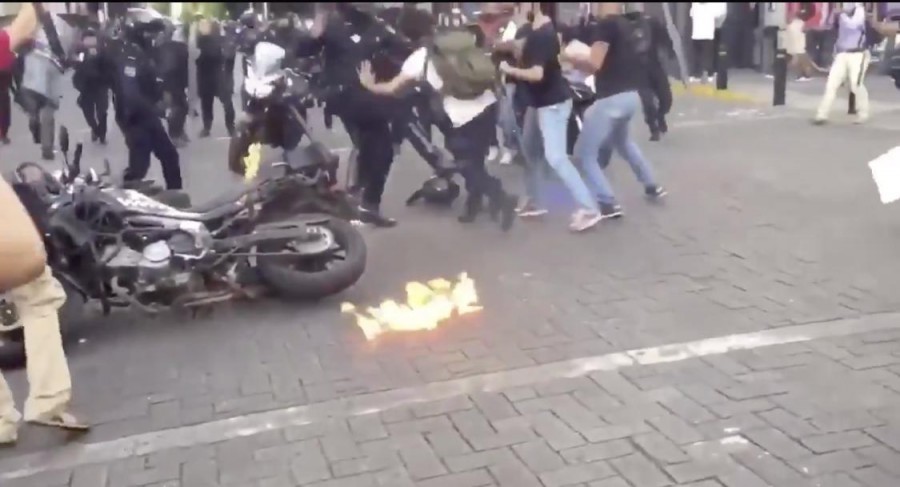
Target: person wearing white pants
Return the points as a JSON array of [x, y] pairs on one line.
[[850, 63], [37, 304]]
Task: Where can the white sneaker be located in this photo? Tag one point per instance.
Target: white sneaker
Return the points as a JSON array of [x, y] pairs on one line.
[[493, 153], [711, 79], [693, 79], [507, 157]]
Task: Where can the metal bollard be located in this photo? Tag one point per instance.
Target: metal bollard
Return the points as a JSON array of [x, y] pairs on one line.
[[780, 73], [722, 66]]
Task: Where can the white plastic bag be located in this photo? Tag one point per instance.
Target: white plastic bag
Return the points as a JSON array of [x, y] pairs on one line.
[[886, 173]]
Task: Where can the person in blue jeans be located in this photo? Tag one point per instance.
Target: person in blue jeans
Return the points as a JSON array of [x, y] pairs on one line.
[[618, 76], [546, 124]]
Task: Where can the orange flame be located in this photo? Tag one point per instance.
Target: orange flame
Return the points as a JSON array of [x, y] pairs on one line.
[[427, 305]]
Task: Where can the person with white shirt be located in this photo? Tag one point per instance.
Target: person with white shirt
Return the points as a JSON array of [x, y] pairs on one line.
[[705, 18], [468, 126]]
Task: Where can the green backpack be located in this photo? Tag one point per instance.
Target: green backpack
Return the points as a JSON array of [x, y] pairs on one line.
[[466, 70]]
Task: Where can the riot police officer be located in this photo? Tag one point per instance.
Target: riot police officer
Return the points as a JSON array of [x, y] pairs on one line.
[[215, 74], [137, 96], [91, 79], [173, 69], [346, 37]]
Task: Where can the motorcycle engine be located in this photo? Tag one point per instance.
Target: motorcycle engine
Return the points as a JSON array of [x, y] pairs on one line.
[[160, 266]]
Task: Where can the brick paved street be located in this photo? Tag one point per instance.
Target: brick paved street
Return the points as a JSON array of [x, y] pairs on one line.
[[771, 223]]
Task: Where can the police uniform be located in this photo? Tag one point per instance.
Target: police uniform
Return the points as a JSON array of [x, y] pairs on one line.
[[173, 68], [91, 79], [215, 78], [346, 42], [137, 93]]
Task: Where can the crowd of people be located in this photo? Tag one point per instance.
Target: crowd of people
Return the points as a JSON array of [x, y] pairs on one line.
[[513, 69]]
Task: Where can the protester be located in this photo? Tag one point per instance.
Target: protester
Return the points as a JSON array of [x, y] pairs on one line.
[[468, 121], [546, 123], [33, 290], [850, 62], [618, 77], [42, 82]]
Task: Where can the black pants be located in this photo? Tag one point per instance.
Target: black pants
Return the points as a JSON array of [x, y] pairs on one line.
[[94, 104], [469, 145], [148, 136], [5, 104], [819, 46], [206, 108], [375, 155], [656, 99], [704, 56], [178, 113]]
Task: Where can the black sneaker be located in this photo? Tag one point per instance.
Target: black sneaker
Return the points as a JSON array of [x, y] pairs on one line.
[[204, 133], [663, 125], [374, 217], [654, 137], [655, 192], [608, 211]]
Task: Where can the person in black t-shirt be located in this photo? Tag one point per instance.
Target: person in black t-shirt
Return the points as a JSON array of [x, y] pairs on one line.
[[618, 77], [550, 105]]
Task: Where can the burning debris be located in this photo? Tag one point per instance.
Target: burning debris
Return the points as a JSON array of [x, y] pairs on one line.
[[427, 305]]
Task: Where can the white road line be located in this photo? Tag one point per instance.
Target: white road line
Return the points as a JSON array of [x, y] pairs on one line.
[[75, 455]]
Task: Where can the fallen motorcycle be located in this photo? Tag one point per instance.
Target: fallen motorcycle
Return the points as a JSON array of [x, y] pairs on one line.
[[121, 248]]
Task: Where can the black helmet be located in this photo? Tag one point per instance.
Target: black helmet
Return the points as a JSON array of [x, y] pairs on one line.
[[143, 24], [250, 19]]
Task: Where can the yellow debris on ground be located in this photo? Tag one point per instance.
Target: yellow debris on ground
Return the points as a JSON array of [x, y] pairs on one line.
[[709, 91]]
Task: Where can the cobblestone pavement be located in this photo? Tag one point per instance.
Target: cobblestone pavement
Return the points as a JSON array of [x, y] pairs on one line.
[[770, 223], [819, 412]]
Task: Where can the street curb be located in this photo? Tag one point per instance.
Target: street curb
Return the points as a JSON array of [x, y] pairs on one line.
[[709, 92]]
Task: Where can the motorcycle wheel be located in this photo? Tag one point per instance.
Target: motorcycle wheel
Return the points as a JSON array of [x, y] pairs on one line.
[[316, 277], [12, 344]]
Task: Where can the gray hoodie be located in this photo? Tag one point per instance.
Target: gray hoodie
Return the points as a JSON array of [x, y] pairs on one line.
[[41, 74]]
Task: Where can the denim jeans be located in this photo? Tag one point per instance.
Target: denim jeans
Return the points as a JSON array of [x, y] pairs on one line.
[[549, 144], [506, 119], [605, 128]]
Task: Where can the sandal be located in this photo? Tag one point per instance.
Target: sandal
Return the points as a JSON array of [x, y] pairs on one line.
[[64, 420]]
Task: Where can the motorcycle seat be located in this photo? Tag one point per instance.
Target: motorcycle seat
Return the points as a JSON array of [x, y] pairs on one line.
[[223, 205]]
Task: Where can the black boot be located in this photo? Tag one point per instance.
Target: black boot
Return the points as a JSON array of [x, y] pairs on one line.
[[472, 209], [503, 208]]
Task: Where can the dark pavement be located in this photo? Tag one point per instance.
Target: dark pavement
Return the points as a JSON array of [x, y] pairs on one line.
[[770, 224]]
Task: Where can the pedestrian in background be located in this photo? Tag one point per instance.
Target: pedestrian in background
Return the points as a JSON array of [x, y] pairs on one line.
[[705, 18], [850, 62], [795, 43]]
